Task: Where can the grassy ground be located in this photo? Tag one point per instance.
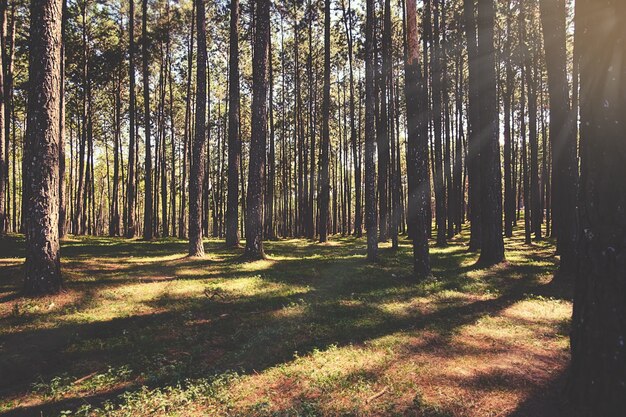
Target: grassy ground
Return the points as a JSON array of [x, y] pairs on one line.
[[312, 331]]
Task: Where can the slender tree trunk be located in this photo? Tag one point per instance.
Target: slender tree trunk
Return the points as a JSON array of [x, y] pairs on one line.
[[325, 144], [129, 222], [147, 218], [114, 226], [358, 214], [598, 367], [9, 116], [473, 145], [234, 142], [42, 268], [196, 175], [3, 137], [509, 195], [531, 81], [270, 232], [312, 133], [62, 196], [436, 72], [371, 221]]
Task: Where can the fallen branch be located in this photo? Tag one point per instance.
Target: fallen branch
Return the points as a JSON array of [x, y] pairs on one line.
[[378, 394], [83, 379]]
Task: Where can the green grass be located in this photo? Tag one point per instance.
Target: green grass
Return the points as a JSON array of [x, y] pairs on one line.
[[313, 330]]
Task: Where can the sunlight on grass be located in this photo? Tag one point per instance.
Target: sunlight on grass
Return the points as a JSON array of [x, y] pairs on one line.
[[313, 330]]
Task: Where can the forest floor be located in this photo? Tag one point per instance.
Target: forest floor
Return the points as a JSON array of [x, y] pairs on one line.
[[313, 330]]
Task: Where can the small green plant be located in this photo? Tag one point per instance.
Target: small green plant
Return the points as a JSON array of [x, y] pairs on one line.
[[55, 388]]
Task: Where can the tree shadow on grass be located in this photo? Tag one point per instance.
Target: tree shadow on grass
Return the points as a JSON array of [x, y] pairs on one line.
[[333, 297]]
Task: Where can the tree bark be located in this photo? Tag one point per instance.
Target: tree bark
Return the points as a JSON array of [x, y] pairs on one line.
[[417, 148], [492, 243], [325, 143], [254, 202], [598, 367], [473, 145], [129, 222], [371, 221], [42, 267], [562, 138], [234, 142], [147, 218], [3, 139], [196, 175]]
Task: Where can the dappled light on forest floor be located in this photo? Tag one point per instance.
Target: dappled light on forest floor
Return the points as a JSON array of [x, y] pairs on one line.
[[313, 330]]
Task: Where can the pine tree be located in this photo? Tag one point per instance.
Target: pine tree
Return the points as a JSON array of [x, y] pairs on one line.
[[196, 174], [42, 267], [254, 201]]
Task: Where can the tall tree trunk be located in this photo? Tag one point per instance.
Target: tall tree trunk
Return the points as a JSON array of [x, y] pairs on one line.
[[270, 232], [358, 214], [598, 367], [562, 138], [147, 218], [129, 223], [3, 139], [371, 221], [196, 175], [254, 202], [311, 211], [234, 142], [473, 146], [492, 243], [62, 196], [509, 194], [535, 203], [182, 223], [114, 226], [325, 143], [9, 116], [390, 142], [42, 267], [436, 73], [417, 147]]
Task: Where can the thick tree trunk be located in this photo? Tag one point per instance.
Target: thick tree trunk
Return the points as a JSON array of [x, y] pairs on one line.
[[492, 243], [254, 202], [417, 148], [42, 267], [234, 142], [196, 174], [598, 367], [562, 137]]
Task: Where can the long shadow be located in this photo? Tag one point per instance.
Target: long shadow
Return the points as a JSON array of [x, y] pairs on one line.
[[200, 336], [547, 401]]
